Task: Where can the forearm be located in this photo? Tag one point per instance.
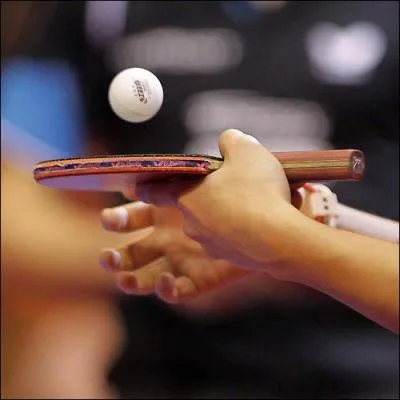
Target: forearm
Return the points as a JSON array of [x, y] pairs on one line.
[[360, 271], [47, 240]]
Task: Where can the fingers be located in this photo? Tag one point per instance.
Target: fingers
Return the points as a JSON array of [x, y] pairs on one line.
[[174, 283], [133, 255], [165, 194], [234, 144], [143, 281], [127, 218], [160, 193], [157, 278], [174, 290]]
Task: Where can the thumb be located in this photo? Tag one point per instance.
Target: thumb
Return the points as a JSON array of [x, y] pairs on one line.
[[236, 145]]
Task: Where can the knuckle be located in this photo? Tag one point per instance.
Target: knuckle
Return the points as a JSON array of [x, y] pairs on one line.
[[134, 252]]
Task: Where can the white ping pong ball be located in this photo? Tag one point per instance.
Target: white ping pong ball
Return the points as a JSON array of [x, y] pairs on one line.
[[135, 95]]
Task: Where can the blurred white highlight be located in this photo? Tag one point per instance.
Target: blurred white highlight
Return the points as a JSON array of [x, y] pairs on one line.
[[280, 124], [179, 51], [345, 56]]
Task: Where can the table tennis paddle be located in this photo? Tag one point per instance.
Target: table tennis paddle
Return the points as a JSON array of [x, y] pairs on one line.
[[118, 172]]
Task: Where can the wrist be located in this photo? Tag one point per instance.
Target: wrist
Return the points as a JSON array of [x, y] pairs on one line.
[[297, 242], [281, 239], [300, 239]]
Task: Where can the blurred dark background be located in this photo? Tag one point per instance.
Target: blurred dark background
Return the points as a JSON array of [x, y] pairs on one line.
[[297, 75]]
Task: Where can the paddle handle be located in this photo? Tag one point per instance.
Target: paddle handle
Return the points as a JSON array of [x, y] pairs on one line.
[[321, 165]]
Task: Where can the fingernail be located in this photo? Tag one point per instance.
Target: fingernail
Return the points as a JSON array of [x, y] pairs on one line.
[[236, 132], [121, 214], [252, 139], [110, 259], [116, 218], [128, 284]]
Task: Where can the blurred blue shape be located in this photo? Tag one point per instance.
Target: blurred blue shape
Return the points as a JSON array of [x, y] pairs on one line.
[[41, 99], [20, 146]]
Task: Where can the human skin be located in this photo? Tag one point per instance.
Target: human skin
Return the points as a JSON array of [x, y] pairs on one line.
[[267, 235], [53, 297]]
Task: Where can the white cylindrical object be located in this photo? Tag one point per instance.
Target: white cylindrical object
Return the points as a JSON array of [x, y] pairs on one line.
[[367, 224]]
